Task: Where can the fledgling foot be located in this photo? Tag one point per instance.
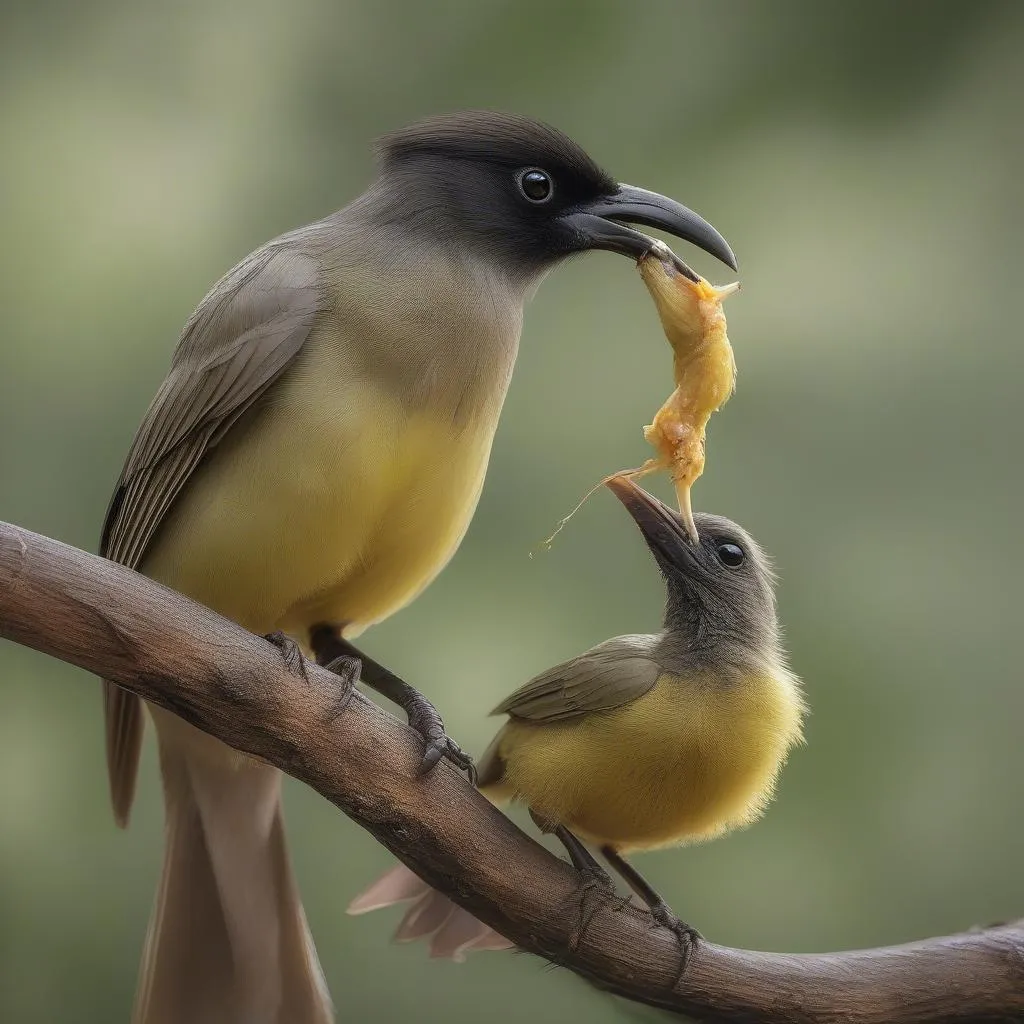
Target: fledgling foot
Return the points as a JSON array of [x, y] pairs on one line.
[[687, 937], [291, 653], [595, 884], [595, 890], [661, 912], [593, 876]]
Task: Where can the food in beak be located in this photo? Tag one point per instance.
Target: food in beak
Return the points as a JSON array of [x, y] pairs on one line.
[[703, 367]]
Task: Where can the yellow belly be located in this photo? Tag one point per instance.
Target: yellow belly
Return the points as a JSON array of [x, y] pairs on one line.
[[685, 762], [332, 505]]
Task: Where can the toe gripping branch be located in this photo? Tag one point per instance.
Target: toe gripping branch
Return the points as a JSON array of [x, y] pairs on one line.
[[332, 651], [687, 936]]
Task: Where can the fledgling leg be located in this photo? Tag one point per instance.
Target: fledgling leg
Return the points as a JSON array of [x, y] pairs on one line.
[[596, 885], [331, 649], [582, 859], [662, 913]]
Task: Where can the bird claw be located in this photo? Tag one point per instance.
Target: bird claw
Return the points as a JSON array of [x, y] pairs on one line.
[[347, 669], [424, 719], [595, 889], [595, 877], [337, 654], [291, 653], [687, 937]]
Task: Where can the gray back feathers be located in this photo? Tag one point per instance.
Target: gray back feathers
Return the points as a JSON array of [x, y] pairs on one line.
[[607, 676]]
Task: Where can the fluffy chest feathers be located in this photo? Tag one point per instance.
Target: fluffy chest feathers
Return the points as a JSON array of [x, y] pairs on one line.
[[350, 487], [686, 761]]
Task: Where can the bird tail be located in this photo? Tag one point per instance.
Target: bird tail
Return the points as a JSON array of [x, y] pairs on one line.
[[228, 941], [452, 932]]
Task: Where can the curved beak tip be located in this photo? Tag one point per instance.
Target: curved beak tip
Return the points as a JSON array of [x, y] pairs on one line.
[[635, 205]]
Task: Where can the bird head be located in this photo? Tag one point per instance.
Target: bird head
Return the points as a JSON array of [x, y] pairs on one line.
[[525, 195], [720, 588]]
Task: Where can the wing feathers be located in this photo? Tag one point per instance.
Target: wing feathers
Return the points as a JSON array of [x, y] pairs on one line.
[[607, 676], [244, 334]]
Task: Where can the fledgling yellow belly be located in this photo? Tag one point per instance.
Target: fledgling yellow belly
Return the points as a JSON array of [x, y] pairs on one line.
[[334, 504], [685, 762]]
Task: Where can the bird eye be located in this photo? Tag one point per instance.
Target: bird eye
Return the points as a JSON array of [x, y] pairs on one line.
[[730, 555], [536, 185]]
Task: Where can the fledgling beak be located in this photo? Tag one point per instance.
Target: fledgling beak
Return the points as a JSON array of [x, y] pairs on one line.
[[664, 530]]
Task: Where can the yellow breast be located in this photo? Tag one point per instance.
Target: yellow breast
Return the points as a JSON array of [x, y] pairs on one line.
[[685, 762], [334, 505]]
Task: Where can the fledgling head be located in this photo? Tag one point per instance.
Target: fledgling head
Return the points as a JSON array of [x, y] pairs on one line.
[[523, 194], [720, 589]]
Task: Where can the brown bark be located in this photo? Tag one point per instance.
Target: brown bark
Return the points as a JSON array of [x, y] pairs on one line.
[[108, 619]]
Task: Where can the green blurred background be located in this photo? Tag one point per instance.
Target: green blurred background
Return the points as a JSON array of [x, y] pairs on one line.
[[865, 162]]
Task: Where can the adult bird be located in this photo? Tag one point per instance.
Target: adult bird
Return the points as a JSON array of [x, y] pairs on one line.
[[310, 463]]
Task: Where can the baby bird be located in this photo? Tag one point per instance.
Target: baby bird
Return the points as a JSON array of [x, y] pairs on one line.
[[642, 741]]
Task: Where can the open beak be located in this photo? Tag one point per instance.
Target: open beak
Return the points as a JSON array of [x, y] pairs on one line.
[[601, 224], [664, 530]]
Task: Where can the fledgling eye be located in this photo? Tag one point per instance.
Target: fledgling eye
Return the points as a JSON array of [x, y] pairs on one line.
[[730, 555], [535, 184]]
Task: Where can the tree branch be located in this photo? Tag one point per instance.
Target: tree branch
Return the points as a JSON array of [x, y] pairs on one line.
[[175, 653]]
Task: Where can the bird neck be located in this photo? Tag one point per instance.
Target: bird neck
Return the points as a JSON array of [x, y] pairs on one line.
[[702, 647], [440, 327]]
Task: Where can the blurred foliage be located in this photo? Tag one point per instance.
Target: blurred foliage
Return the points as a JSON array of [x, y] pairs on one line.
[[865, 162]]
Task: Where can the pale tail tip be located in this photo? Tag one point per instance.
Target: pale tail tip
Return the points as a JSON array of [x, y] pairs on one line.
[[399, 885]]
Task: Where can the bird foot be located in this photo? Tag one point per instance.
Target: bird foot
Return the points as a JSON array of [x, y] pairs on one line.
[[595, 877], [687, 937], [425, 719], [334, 651], [594, 891], [291, 653], [346, 668]]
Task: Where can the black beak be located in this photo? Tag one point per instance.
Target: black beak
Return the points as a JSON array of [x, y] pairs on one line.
[[662, 529], [602, 224]]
